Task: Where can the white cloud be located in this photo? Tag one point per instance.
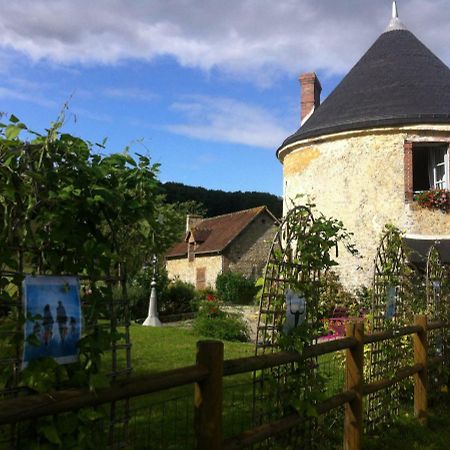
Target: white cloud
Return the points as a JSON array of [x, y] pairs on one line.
[[252, 38], [228, 120], [83, 113], [130, 94], [22, 95]]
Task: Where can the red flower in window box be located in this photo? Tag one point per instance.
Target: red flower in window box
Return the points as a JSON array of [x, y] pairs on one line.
[[434, 199]]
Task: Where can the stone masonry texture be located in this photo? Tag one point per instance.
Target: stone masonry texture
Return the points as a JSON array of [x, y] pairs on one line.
[[359, 178]]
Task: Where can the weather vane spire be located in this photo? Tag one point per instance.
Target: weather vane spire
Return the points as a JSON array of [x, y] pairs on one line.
[[394, 10], [395, 23]]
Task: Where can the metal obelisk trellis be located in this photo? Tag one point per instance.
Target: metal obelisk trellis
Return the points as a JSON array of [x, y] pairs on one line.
[[388, 311], [115, 316], [437, 310], [435, 279], [284, 270]]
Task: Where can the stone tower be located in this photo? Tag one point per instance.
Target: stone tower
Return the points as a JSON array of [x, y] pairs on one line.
[[381, 136]]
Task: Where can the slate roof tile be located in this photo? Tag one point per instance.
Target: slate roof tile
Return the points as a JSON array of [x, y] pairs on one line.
[[398, 81]]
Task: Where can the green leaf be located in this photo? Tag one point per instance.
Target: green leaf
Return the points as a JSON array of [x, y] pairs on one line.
[[67, 423], [98, 380], [12, 131], [90, 415], [51, 434], [33, 340], [13, 119]]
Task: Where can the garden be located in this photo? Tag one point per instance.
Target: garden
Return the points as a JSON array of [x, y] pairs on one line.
[[99, 261]]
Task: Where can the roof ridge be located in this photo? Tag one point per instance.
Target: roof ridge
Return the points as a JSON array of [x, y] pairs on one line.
[[233, 213]]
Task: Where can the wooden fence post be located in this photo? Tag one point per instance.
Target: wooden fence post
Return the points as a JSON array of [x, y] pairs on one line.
[[208, 397], [353, 421], [421, 378]]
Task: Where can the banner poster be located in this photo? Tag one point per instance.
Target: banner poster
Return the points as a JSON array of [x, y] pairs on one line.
[[295, 310], [391, 302], [54, 322]]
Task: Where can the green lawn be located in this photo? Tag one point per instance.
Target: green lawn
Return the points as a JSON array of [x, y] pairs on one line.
[[409, 435], [164, 348], [164, 420]]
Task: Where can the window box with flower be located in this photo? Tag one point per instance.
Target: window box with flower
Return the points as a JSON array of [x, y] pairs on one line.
[[434, 199]]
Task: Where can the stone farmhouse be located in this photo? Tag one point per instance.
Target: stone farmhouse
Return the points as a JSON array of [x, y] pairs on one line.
[[238, 242], [379, 138]]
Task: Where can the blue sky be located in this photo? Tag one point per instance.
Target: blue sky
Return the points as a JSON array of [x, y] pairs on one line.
[[209, 89]]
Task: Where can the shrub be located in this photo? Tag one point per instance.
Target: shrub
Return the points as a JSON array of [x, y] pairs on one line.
[[173, 297], [202, 295], [212, 321], [177, 298], [233, 287]]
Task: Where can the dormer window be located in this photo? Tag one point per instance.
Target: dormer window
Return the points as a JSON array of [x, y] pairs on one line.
[[430, 166]]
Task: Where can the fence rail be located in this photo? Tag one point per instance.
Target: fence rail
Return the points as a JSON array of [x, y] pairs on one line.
[[210, 368]]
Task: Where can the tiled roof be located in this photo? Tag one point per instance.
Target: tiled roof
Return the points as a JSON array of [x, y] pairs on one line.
[[398, 81], [214, 234]]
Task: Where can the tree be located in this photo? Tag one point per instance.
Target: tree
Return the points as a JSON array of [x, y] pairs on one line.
[[67, 209]]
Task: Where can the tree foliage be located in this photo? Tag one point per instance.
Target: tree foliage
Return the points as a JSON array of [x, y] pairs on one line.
[[74, 210], [218, 202], [67, 209], [233, 287]]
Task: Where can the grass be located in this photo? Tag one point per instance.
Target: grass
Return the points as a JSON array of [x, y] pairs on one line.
[[408, 434], [164, 419], [156, 349]]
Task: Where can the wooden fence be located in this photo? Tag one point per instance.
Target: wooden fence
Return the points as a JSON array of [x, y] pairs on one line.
[[210, 368]]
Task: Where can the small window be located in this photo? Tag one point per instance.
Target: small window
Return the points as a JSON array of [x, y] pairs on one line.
[[200, 282], [430, 167]]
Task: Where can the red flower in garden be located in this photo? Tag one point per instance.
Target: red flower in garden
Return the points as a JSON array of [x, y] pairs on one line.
[[210, 298]]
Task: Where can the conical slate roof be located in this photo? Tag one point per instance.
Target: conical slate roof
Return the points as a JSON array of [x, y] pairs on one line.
[[398, 81]]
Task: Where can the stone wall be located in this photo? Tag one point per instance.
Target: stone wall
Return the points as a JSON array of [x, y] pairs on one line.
[[248, 252], [359, 178], [187, 270]]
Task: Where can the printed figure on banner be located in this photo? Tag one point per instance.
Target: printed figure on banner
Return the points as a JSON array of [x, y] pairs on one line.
[[54, 322]]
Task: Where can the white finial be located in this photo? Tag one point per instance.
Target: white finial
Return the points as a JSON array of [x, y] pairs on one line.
[[395, 23], [394, 10]]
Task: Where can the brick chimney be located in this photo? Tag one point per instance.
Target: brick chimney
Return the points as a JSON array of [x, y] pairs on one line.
[[192, 220], [310, 93]]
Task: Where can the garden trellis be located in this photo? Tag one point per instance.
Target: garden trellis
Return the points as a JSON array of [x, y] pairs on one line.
[[290, 318], [438, 309], [435, 285], [389, 311], [285, 273], [112, 315]]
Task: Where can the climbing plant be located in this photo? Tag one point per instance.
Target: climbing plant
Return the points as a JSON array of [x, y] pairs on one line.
[[65, 208], [438, 309], [393, 305], [303, 251]]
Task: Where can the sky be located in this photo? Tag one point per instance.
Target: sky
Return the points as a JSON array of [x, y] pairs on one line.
[[207, 88]]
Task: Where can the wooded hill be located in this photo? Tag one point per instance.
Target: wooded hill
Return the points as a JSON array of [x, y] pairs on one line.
[[217, 202]]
